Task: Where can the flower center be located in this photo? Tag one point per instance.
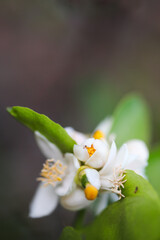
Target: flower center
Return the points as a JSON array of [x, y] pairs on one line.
[[91, 150], [98, 134], [52, 172]]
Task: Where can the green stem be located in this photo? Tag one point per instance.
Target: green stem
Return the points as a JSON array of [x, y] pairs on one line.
[[79, 219]]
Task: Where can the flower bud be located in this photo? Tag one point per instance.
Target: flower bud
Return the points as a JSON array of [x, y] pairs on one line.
[[89, 181]]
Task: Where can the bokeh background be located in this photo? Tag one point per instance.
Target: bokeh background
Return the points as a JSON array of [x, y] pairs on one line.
[[73, 61]]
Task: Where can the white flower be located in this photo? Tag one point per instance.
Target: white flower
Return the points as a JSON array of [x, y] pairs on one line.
[[110, 178], [138, 156], [93, 152], [61, 186], [133, 155], [95, 168], [57, 178]]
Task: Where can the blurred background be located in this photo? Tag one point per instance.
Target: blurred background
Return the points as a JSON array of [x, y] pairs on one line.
[[73, 61]]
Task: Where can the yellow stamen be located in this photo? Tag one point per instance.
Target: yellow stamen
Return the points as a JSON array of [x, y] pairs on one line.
[[90, 192], [98, 134], [91, 150], [51, 172]]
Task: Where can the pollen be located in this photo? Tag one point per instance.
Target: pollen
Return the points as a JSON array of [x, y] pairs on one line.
[[91, 150], [90, 192], [98, 134], [52, 172]]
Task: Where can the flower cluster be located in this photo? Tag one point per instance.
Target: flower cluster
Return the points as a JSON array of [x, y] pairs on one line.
[[96, 167]]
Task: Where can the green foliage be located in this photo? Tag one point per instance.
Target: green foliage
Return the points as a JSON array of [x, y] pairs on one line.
[[135, 217], [39, 122], [153, 168], [96, 100], [70, 234], [131, 120]]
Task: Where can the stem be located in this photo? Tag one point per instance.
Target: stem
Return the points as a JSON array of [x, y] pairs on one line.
[[79, 219]]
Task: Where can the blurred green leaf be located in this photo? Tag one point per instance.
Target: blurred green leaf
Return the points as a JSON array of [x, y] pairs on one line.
[[135, 217], [39, 122], [153, 168], [96, 100], [70, 234], [131, 120]]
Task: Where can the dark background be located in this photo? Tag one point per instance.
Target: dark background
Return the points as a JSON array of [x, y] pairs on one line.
[[73, 61]]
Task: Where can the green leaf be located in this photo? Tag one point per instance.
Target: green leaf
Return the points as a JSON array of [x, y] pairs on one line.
[[131, 120], [70, 234], [135, 217], [41, 123], [153, 168]]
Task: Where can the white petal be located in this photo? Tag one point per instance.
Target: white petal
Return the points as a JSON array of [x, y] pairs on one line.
[[136, 165], [88, 142], [102, 202], [49, 149], [80, 152], [114, 197], [76, 200], [119, 162], [76, 163], [99, 158], [138, 156], [44, 202], [105, 125], [71, 160], [67, 183], [77, 136], [122, 156], [96, 160], [99, 144], [93, 177], [139, 149], [106, 182], [110, 162]]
